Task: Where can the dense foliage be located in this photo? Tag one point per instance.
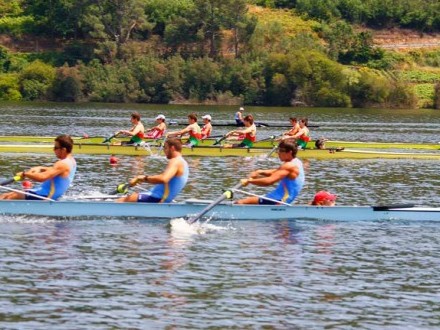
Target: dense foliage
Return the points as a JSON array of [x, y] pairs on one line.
[[219, 51]]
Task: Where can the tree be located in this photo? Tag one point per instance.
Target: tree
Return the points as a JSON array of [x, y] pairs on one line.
[[56, 18], [113, 22]]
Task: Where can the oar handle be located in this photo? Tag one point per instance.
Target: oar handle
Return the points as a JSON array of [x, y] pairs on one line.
[[121, 189], [226, 195]]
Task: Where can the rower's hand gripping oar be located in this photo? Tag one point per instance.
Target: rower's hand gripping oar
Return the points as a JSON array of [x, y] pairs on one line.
[[123, 187], [226, 195]]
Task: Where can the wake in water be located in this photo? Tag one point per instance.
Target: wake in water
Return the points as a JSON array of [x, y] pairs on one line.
[[181, 227]]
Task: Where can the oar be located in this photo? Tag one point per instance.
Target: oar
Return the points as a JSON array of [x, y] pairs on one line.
[[272, 151], [121, 189], [8, 181], [262, 197], [5, 182], [227, 194], [218, 141], [110, 138]]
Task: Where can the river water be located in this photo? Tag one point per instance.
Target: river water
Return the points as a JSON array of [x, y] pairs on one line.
[[139, 274]]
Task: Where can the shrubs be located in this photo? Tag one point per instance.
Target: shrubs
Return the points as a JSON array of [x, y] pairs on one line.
[[36, 80]]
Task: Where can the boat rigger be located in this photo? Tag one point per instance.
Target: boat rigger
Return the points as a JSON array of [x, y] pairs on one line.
[[226, 211]]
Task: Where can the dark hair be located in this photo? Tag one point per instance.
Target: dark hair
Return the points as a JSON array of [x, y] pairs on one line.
[[249, 118], [136, 115], [293, 119], [320, 144], [289, 146], [176, 143], [193, 116], [305, 121], [65, 141]]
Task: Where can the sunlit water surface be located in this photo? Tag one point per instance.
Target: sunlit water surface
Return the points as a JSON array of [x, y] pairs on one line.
[[139, 274]]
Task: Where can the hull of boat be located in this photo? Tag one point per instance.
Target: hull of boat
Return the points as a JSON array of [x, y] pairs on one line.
[[229, 211], [266, 143], [211, 151]]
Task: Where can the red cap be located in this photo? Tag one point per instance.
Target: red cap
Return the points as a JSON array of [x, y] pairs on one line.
[[323, 195]]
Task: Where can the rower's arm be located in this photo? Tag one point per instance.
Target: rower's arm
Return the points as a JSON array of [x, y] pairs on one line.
[[47, 173]]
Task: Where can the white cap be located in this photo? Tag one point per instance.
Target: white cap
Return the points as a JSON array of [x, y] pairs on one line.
[[160, 117], [207, 117], [241, 109]]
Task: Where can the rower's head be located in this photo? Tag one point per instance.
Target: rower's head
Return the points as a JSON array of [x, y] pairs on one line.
[[206, 118], [293, 120], [172, 148], [248, 120], [135, 117], [160, 118], [287, 150], [324, 198], [63, 146], [303, 122], [192, 118]]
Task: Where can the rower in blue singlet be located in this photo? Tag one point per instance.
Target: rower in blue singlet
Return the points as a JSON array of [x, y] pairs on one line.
[[55, 179], [169, 183], [290, 176], [56, 187]]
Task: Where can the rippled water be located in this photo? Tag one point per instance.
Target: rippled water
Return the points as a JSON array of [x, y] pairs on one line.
[[130, 274]]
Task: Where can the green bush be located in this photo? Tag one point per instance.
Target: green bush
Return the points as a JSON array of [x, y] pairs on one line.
[[9, 87], [36, 80], [67, 86]]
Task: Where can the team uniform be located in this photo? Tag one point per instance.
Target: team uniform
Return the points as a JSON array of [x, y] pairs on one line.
[[287, 189], [249, 138], [206, 131], [165, 193], [56, 187], [155, 133], [195, 135], [139, 137], [303, 140]]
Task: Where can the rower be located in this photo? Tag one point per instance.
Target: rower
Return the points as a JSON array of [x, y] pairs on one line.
[[157, 131], [136, 131], [324, 198], [167, 184], [290, 176], [55, 179], [207, 128], [193, 129], [239, 117], [295, 128], [249, 132], [302, 137]]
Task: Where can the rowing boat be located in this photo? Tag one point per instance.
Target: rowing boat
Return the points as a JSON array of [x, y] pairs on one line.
[[265, 143], [218, 151], [227, 211]]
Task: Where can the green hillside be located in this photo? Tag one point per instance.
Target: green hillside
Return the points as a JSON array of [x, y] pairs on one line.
[[216, 51]]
